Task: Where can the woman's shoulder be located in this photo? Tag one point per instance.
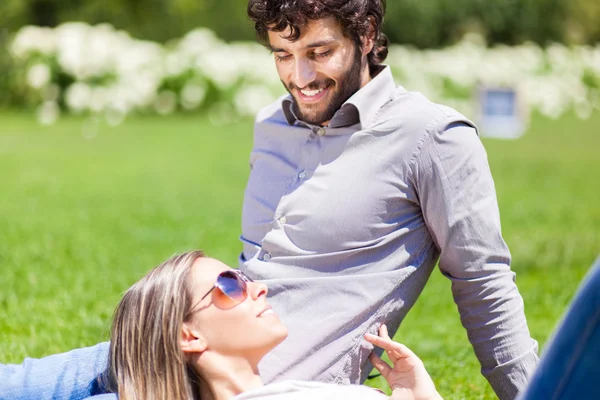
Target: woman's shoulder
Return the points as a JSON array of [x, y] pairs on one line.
[[296, 390]]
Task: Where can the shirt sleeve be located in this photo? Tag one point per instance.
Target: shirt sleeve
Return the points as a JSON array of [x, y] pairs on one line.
[[458, 199], [72, 375]]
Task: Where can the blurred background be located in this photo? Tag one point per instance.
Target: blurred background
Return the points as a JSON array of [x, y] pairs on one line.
[[126, 127], [435, 23], [116, 57]]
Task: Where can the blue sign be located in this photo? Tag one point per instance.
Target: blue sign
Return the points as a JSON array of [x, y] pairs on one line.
[[500, 113]]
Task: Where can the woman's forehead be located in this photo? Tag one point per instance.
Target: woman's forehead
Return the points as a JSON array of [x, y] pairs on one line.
[[205, 271]]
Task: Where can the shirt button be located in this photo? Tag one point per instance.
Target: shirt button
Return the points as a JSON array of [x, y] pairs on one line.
[[282, 220], [321, 132], [266, 257], [302, 175]]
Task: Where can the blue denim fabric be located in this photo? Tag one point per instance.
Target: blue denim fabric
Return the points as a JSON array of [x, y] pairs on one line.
[[570, 365], [66, 376]]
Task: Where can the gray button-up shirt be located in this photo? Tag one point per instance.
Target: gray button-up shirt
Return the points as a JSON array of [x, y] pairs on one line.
[[346, 222]]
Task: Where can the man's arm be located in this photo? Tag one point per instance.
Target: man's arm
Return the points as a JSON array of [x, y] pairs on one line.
[[65, 376], [458, 199]]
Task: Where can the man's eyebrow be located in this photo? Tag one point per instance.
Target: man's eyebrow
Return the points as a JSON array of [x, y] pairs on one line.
[[320, 43], [276, 49]]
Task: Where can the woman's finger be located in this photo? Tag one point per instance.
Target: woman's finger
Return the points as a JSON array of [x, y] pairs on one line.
[[403, 351], [383, 331], [380, 365], [384, 343], [400, 350]]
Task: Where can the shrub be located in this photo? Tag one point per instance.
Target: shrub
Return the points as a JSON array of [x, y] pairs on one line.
[[98, 70]]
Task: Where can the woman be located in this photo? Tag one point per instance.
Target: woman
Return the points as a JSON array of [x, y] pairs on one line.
[[194, 328]]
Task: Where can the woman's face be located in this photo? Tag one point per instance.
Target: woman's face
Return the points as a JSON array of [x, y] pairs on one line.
[[249, 329]]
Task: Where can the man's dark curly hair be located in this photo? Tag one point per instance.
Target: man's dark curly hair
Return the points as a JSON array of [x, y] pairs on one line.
[[354, 16]]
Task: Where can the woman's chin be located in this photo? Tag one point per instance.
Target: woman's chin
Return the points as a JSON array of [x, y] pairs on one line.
[[283, 335], [279, 337]]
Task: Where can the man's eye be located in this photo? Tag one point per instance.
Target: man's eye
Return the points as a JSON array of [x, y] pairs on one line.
[[324, 54], [283, 57]]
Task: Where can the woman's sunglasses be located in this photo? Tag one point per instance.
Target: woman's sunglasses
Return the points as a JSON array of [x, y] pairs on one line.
[[230, 289]]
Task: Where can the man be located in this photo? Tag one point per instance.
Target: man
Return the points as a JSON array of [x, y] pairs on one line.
[[357, 188]]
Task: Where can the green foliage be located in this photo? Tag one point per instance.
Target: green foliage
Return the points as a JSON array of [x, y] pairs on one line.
[[436, 23], [584, 22], [431, 23], [158, 20], [7, 73], [86, 210]]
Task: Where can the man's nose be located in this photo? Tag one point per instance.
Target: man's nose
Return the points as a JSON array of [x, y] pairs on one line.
[[305, 73]]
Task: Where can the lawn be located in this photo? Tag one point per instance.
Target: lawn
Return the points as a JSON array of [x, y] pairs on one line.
[[87, 209]]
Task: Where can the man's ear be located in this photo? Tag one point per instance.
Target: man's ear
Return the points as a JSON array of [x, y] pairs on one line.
[[191, 340], [369, 38]]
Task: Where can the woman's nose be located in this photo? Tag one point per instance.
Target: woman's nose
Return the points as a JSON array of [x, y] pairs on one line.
[[257, 289]]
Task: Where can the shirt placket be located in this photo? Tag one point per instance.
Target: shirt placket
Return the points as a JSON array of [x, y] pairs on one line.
[[310, 157]]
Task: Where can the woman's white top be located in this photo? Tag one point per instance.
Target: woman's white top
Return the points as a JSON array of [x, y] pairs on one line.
[[301, 390]]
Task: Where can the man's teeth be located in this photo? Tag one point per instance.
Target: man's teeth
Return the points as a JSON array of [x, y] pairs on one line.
[[311, 93]]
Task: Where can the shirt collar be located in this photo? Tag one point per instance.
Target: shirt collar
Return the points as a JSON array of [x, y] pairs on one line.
[[361, 107]]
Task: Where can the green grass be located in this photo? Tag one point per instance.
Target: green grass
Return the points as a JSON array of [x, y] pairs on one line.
[[83, 218]]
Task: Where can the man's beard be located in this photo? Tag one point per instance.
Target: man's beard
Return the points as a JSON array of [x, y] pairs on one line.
[[348, 84]]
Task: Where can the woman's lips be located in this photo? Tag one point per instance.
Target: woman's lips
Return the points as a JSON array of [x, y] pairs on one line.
[[266, 311]]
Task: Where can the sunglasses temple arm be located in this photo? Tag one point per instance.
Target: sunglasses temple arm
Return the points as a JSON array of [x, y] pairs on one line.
[[207, 293]]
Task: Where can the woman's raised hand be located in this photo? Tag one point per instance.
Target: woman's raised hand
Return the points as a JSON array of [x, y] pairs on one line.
[[407, 377]]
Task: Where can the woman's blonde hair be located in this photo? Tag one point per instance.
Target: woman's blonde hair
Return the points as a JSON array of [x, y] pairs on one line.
[[145, 360]]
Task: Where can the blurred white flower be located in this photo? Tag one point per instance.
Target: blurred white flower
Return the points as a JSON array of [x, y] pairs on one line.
[[38, 75], [221, 66], [175, 64], [71, 49], [86, 51], [251, 98], [192, 96], [199, 41], [99, 99], [32, 39], [48, 113], [123, 98], [78, 97], [131, 72], [166, 102], [140, 56], [141, 89]]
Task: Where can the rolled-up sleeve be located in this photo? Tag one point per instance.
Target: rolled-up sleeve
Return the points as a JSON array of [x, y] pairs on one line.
[[66, 376], [457, 195]]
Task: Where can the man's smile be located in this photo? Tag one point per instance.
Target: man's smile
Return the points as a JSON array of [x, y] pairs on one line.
[[312, 95]]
